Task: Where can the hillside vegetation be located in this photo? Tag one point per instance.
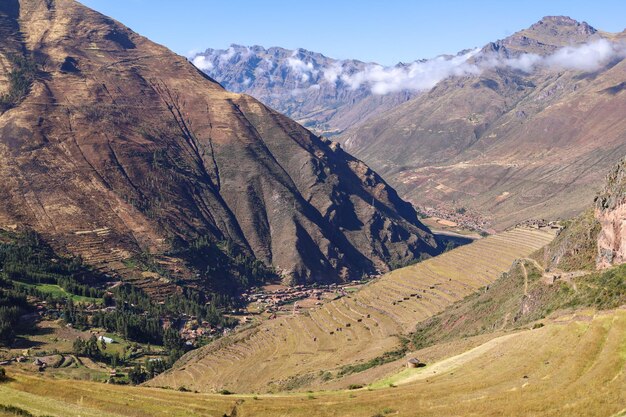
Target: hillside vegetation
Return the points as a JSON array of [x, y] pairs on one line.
[[519, 297]]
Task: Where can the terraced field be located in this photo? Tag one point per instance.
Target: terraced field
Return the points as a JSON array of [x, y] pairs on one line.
[[574, 366], [291, 352]]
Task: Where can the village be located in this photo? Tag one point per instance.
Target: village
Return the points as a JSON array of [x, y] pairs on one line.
[[275, 299], [460, 218], [266, 302]]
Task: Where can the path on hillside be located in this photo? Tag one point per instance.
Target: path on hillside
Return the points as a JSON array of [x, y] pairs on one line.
[[453, 362], [525, 279]]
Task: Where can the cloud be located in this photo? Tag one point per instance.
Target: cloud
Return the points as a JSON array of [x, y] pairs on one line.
[[423, 75], [299, 66], [587, 57], [202, 63], [332, 73], [420, 75], [226, 56]]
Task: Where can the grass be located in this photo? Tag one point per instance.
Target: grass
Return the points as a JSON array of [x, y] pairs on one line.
[[377, 361], [506, 306], [58, 292], [529, 373]]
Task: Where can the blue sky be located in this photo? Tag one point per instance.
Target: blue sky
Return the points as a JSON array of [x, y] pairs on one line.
[[370, 30]]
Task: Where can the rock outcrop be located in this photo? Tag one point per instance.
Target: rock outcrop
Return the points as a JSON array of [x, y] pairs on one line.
[[610, 210]]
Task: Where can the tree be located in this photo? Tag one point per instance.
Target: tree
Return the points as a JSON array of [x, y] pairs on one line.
[[87, 348], [8, 319], [137, 375], [173, 344]]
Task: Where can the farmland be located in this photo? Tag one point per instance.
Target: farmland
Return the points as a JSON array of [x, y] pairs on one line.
[[523, 373], [302, 351]]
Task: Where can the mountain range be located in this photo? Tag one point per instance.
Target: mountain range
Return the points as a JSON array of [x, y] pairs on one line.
[[160, 231], [524, 127], [315, 90]]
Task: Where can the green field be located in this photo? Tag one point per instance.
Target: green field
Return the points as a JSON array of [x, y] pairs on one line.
[[58, 292]]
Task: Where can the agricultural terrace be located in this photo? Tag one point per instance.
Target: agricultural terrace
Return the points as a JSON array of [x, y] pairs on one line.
[[524, 373], [294, 352]]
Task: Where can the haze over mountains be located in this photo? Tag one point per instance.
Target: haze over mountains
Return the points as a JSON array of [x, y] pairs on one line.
[[118, 147], [524, 127]]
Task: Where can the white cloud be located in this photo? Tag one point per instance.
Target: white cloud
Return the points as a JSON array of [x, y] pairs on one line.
[[226, 56], [299, 65], [423, 75], [420, 75], [586, 57], [332, 73], [202, 63]]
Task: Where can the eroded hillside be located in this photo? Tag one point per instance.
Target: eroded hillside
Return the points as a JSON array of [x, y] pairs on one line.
[[112, 147]]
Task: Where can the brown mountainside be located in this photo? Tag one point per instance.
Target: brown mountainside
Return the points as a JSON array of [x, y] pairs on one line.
[[511, 144], [111, 145]]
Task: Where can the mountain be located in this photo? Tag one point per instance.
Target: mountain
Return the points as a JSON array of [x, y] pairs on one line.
[[311, 88], [530, 133], [114, 149]]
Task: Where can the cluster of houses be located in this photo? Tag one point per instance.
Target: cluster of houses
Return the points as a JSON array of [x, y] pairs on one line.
[[281, 297], [541, 224], [193, 329], [464, 219]]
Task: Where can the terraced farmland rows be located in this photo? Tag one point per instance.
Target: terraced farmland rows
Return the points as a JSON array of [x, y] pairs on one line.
[[291, 350], [572, 366]]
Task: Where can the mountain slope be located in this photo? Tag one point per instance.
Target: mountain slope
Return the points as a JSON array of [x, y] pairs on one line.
[[511, 142], [304, 85], [113, 146]]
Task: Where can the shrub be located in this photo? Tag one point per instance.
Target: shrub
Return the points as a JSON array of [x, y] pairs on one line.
[[20, 81], [355, 386]]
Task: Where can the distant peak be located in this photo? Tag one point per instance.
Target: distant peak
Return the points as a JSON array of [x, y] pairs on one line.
[[562, 22], [559, 20]]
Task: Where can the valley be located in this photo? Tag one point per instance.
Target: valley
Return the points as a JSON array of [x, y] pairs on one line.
[[295, 351], [268, 231]]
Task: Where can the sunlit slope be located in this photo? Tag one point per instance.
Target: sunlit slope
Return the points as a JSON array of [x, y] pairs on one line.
[[572, 367], [290, 352]]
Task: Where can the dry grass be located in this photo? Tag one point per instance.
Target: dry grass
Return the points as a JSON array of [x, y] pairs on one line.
[[572, 366]]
